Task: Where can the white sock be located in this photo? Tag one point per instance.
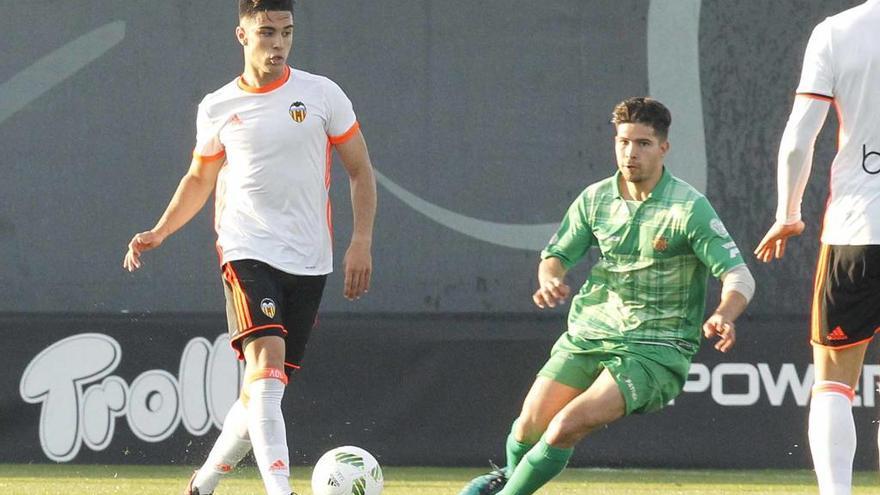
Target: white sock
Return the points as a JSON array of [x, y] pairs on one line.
[[832, 433], [229, 449], [268, 434]]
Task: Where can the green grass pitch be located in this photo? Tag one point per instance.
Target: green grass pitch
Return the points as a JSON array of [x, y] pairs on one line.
[[64, 479]]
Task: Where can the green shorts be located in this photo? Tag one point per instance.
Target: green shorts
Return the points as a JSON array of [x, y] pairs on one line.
[[648, 375]]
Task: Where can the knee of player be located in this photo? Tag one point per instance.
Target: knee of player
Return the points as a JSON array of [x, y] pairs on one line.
[[528, 428], [565, 431]]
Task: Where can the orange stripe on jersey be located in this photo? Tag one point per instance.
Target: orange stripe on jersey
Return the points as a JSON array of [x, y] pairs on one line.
[[269, 87], [328, 178], [817, 96], [345, 136], [818, 293], [834, 388], [264, 374], [208, 158], [328, 165], [330, 218]]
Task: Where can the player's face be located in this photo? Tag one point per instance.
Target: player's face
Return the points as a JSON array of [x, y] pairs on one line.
[[267, 38], [640, 152]]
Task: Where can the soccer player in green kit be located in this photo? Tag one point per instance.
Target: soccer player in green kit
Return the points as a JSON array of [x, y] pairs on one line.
[[635, 324]]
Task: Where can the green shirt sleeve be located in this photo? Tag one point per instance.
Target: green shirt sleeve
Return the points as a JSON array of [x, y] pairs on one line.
[[575, 236], [710, 240]]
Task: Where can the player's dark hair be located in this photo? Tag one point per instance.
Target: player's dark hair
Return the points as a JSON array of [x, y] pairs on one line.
[[643, 110], [249, 8]]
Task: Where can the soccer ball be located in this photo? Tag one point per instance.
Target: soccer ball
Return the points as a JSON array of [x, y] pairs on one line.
[[347, 471]]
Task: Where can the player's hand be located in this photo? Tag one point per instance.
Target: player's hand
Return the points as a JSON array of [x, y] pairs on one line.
[[772, 246], [552, 292], [358, 269], [724, 329], [140, 243]]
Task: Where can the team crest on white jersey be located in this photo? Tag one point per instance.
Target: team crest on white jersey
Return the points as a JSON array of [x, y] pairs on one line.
[[268, 307], [297, 111]]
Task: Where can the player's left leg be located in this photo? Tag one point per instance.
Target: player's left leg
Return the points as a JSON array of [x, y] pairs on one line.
[[599, 405]]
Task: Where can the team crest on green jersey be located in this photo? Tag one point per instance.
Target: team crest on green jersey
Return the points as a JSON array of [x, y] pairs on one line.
[[660, 244]]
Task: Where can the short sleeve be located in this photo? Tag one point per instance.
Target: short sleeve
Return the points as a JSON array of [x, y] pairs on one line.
[[574, 237], [817, 75], [342, 122], [208, 145], [710, 240]]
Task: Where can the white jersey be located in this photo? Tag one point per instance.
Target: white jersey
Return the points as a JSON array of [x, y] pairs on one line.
[[272, 197], [842, 65]]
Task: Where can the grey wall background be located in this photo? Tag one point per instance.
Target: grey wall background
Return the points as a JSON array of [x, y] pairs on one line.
[[497, 110]]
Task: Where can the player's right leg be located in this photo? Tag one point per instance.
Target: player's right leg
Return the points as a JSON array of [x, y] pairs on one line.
[[832, 431], [546, 398], [265, 381], [256, 329], [844, 318], [599, 405], [557, 384], [246, 285]]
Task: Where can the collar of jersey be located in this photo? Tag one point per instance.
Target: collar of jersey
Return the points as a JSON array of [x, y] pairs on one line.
[[658, 188], [269, 87]]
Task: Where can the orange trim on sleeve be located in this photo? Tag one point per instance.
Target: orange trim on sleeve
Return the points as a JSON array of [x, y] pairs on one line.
[[834, 388], [203, 159], [269, 87], [817, 96], [266, 374], [345, 136]]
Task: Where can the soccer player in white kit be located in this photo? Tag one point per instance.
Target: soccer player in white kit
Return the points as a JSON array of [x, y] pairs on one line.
[[263, 145], [841, 68]]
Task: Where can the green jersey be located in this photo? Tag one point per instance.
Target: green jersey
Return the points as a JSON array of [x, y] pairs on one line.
[[649, 284]]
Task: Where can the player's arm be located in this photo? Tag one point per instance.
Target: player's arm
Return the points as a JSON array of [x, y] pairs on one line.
[[358, 260], [737, 289], [552, 289], [569, 244], [193, 191], [713, 245], [794, 163]]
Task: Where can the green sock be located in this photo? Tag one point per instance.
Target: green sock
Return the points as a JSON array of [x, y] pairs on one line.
[[542, 463], [515, 450]]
